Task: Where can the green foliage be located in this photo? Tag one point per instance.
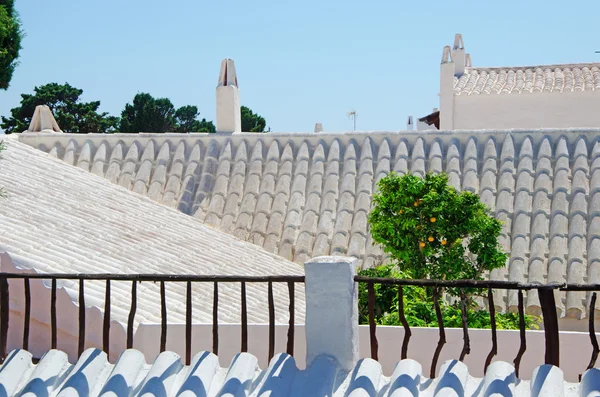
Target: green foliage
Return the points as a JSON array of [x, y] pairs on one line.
[[186, 120], [149, 114], [252, 122], [70, 113], [10, 41], [419, 309], [433, 231]]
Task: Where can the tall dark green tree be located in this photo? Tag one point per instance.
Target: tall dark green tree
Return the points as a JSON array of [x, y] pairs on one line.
[[252, 122], [149, 114], [71, 114], [10, 41], [186, 118]]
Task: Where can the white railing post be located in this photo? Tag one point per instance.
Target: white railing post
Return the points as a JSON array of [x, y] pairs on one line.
[[332, 310]]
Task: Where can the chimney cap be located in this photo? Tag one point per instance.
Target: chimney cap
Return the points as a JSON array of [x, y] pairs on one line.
[[227, 75], [43, 120], [458, 42], [446, 55]]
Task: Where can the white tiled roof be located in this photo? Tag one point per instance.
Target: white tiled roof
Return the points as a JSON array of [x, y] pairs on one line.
[[533, 79], [306, 195], [58, 218], [92, 375]]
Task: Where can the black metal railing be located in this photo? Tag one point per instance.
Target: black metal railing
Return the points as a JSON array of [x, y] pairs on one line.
[[156, 278], [547, 304]]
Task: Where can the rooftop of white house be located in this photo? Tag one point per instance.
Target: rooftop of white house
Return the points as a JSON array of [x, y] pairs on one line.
[[305, 195], [131, 375], [528, 79], [61, 219]]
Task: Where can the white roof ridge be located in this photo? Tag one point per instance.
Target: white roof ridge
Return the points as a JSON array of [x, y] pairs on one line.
[[549, 66]]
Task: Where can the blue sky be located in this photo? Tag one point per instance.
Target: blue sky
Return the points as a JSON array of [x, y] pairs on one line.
[[297, 62]]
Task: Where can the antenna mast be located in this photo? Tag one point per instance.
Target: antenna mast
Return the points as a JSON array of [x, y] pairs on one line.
[[352, 114]]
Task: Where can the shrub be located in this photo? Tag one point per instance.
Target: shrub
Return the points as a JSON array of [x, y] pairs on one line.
[[418, 306], [431, 230]]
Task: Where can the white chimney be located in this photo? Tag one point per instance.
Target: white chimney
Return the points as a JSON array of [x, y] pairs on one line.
[[43, 120], [229, 118], [458, 55], [446, 90]]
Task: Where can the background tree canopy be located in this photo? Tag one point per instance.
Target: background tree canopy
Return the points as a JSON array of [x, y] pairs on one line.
[[70, 113], [252, 122], [186, 120], [149, 114], [144, 114], [10, 41]]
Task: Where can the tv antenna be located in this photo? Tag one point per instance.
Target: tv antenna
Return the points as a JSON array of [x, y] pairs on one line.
[[352, 115]]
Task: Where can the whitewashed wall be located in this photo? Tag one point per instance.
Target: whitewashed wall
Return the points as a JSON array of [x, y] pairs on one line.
[[527, 110], [575, 347]]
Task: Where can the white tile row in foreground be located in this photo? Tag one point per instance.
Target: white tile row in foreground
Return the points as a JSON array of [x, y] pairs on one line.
[[93, 375]]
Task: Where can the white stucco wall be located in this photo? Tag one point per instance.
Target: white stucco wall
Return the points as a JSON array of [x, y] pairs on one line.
[[575, 347], [527, 110]]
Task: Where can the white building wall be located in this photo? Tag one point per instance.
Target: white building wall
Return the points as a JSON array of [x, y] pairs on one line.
[[522, 111], [575, 347]]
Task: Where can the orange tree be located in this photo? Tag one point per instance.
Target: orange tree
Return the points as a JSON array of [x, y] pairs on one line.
[[430, 230]]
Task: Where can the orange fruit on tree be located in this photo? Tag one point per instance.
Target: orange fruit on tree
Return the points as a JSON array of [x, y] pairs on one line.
[[432, 219], [430, 239], [421, 244], [444, 242]]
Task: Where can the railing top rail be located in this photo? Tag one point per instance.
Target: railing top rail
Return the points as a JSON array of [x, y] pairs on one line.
[[153, 277], [471, 283]]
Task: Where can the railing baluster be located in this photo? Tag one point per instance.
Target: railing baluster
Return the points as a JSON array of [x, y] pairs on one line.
[[593, 338], [163, 317], [404, 322], [522, 335], [81, 346], [271, 322], [372, 324], [106, 323], [550, 325], [188, 323], [244, 319], [131, 314], [442, 341], [463, 309], [4, 316], [216, 319], [291, 326], [27, 317], [53, 314], [494, 350]]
